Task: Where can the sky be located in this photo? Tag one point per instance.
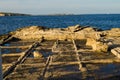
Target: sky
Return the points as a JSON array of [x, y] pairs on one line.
[[61, 6]]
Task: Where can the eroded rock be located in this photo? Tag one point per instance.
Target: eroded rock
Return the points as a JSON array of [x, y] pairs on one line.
[[116, 52], [97, 45], [114, 32], [37, 54], [73, 32], [74, 28]]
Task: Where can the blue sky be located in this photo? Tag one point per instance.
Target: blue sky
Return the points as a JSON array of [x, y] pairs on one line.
[[60, 6]]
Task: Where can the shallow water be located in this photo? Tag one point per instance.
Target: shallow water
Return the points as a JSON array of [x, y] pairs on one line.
[[108, 70], [13, 47]]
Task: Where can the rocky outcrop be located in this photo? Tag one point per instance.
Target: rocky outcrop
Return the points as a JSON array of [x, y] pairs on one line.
[[100, 47], [94, 37], [33, 32], [97, 45], [116, 52], [114, 32], [72, 32], [37, 54]]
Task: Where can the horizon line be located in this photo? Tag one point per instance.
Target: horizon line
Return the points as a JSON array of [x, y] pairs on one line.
[[58, 13]]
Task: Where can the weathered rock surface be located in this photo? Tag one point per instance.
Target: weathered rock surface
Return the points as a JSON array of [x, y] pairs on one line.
[[33, 32], [67, 56], [116, 52], [73, 32], [97, 45], [74, 28], [37, 54], [114, 32], [76, 32]]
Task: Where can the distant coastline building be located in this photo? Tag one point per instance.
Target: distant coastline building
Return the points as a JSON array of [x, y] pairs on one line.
[[12, 14], [1, 14]]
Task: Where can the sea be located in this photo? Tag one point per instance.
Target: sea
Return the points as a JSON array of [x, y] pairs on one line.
[[102, 21]]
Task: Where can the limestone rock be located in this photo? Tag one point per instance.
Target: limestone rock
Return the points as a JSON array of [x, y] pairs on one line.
[[114, 32], [29, 32], [37, 54], [74, 28], [100, 47], [116, 52], [96, 45], [115, 29], [37, 32], [90, 41]]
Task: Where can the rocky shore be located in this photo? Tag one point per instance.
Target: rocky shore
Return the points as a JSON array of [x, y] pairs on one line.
[[12, 14], [96, 38], [61, 53]]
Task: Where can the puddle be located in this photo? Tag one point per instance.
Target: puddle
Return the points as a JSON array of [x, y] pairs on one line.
[[7, 44], [19, 43], [101, 71], [7, 47], [65, 42], [108, 68], [81, 42], [12, 50], [45, 52]]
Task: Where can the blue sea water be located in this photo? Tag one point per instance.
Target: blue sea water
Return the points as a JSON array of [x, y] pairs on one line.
[[103, 21]]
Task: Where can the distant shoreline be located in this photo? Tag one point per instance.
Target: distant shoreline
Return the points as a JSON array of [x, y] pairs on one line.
[[13, 14], [70, 14], [62, 14]]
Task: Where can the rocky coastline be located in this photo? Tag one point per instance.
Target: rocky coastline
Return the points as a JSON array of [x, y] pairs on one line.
[[65, 47], [97, 38]]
